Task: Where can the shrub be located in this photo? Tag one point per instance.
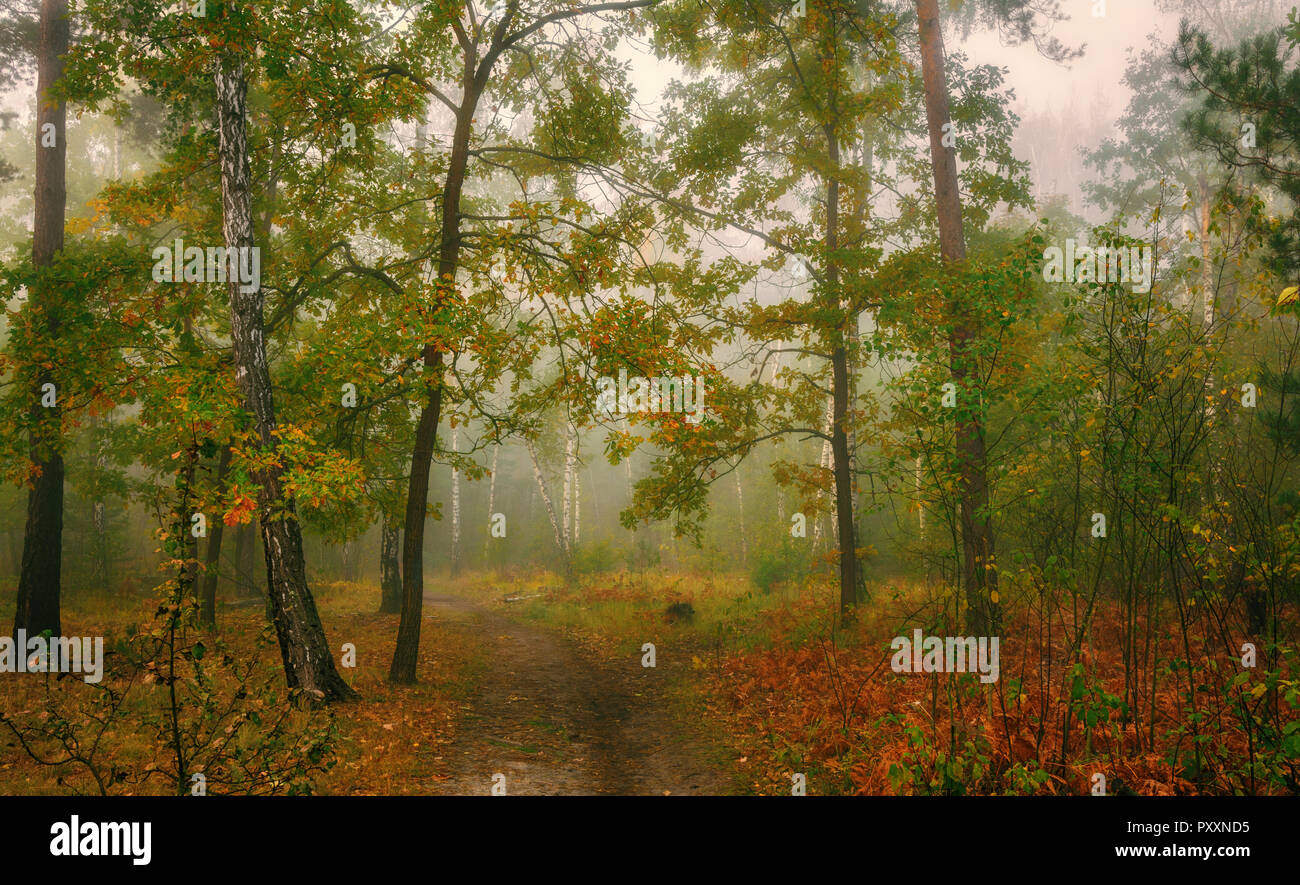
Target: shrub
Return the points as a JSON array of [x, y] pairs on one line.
[[775, 566]]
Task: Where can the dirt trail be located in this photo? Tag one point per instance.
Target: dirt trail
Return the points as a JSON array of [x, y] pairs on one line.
[[556, 722]]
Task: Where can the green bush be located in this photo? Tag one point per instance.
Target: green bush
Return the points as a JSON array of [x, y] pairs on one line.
[[594, 558], [774, 566]]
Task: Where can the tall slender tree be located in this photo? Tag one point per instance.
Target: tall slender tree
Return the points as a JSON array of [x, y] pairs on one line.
[[307, 660], [979, 571], [482, 38], [979, 566], [41, 574]]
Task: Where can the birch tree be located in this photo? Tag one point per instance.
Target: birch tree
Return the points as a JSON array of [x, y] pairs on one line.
[[308, 663]]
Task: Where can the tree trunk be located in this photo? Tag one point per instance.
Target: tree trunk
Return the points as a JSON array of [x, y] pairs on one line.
[[1207, 318], [627, 465], [840, 397], [1207, 273], [390, 568], [740, 519], [455, 507], [566, 508], [39, 579], [15, 551], [780, 489], [866, 160], [212, 556], [246, 562], [983, 614], [349, 556], [99, 571], [920, 501], [308, 664], [426, 428], [181, 525], [824, 462], [492, 500], [407, 652], [546, 499], [844, 483]]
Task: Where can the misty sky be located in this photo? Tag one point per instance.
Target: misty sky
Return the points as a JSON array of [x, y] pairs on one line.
[[1043, 86]]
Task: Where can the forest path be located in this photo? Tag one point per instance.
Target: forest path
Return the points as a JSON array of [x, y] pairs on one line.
[[555, 721]]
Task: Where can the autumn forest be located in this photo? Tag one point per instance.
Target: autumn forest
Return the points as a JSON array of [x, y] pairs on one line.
[[650, 397]]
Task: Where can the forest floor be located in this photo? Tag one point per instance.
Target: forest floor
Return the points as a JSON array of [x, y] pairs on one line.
[[543, 681], [548, 705], [555, 719], [792, 699]]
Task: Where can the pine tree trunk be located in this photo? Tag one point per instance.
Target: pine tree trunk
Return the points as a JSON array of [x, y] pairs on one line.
[[983, 614], [308, 664], [40, 577]]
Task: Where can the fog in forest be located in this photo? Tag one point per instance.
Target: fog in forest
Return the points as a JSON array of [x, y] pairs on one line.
[[779, 340]]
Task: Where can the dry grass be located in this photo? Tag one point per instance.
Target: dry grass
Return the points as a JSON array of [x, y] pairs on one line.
[[389, 742]]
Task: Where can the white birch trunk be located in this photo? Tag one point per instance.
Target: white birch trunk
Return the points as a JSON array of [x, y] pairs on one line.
[[308, 660], [546, 499], [568, 493], [825, 464], [492, 498]]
